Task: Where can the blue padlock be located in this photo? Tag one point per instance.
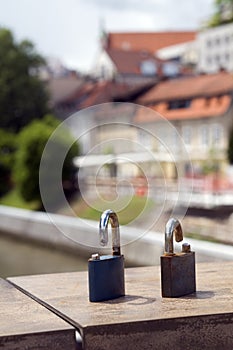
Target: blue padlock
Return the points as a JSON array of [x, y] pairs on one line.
[[106, 272]]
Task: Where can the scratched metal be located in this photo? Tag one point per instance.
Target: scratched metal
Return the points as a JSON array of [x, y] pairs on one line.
[[178, 274]]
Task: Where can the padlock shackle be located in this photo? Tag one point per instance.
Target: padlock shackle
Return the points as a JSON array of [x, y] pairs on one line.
[[172, 226], [103, 230]]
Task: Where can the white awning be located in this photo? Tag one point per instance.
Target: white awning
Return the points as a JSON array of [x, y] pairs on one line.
[[133, 157]]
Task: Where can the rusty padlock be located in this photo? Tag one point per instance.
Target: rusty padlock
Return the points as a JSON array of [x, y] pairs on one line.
[[106, 272], [178, 276]]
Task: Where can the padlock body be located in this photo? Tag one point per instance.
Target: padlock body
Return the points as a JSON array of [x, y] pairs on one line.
[[178, 275], [106, 278]]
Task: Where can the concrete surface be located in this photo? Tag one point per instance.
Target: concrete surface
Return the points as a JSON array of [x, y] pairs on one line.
[[25, 324]]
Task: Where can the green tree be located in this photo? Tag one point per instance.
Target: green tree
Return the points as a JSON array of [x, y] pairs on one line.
[[32, 140], [23, 96], [8, 145], [211, 164], [223, 13]]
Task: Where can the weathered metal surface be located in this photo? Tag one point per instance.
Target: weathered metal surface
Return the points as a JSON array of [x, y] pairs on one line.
[[143, 319], [25, 324], [178, 275]]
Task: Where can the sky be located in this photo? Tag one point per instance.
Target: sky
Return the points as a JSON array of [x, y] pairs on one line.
[[70, 29]]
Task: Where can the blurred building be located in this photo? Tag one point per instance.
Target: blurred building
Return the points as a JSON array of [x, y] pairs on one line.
[[132, 67], [130, 63], [149, 41], [197, 113], [215, 49], [200, 110], [168, 73], [71, 94], [185, 122], [83, 104], [137, 57]]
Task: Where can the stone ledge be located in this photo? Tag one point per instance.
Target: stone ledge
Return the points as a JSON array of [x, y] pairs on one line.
[[143, 319]]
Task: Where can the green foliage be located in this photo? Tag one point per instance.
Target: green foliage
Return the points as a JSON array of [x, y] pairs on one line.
[[211, 164], [14, 199], [230, 147], [32, 140], [209, 168], [8, 146], [22, 95], [223, 13], [136, 205]]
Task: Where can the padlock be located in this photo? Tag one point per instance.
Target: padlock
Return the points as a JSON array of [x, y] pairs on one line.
[[106, 272], [178, 276]]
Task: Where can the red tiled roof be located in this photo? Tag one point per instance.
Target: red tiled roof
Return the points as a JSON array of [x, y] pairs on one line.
[[185, 88], [210, 95], [130, 61], [92, 93], [148, 41], [197, 110], [107, 91], [98, 94]]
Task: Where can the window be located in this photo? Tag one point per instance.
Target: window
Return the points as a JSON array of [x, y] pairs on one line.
[[170, 69], [217, 59], [187, 134], [148, 67], [216, 134], [209, 60], [204, 135], [217, 41], [227, 39], [208, 43], [177, 104], [227, 56]]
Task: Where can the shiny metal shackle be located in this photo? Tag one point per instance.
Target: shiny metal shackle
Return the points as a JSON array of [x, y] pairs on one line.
[[110, 215], [172, 227]]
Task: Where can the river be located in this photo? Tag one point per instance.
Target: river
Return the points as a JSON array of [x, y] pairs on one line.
[[19, 257]]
